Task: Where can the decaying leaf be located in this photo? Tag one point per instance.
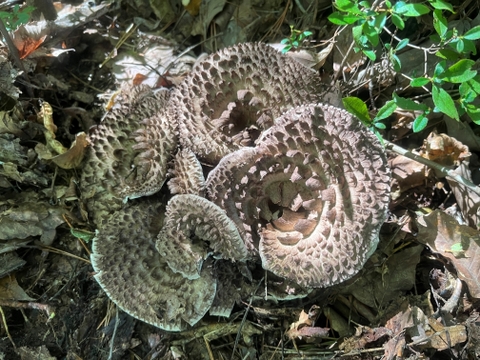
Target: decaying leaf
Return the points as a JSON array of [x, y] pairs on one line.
[[406, 174], [468, 201], [395, 276], [73, 157], [442, 233], [444, 149], [45, 118], [10, 290], [30, 217], [304, 328], [9, 262]]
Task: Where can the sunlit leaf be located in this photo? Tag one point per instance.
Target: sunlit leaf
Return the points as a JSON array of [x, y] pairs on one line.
[[419, 82], [398, 21], [386, 110], [444, 102], [459, 72], [408, 104], [442, 5], [358, 108], [420, 123], [473, 33]]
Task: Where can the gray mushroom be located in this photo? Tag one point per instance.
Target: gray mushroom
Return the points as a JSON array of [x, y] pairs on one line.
[[231, 96], [187, 174], [311, 196], [138, 279], [129, 150], [190, 222]]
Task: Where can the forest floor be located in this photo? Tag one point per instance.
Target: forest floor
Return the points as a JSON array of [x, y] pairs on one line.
[[418, 296]]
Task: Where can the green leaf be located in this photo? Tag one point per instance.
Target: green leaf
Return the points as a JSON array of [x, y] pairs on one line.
[[442, 5], [380, 125], [440, 23], [358, 108], [402, 44], [460, 45], [398, 21], [474, 113], [408, 104], [420, 123], [380, 21], [340, 19], [385, 111], [357, 33], [370, 54], [459, 72], [413, 10], [307, 33], [448, 54], [371, 34], [347, 6], [285, 41], [473, 33], [440, 68], [397, 65], [444, 102], [419, 82]]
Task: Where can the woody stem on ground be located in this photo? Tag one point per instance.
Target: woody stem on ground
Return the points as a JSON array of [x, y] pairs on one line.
[[444, 170]]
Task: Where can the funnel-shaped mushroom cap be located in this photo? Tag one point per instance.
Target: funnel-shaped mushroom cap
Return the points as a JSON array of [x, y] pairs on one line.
[[312, 195], [231, 96]]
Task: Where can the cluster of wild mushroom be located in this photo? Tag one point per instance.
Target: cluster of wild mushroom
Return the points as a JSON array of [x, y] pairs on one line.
[[257, 171]]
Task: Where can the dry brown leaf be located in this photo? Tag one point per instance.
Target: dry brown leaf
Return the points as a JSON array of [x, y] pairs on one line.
[[303, 329], [468, 201], [406, 174], [458, 243], [10, 290], [444, 149], [73, 157]]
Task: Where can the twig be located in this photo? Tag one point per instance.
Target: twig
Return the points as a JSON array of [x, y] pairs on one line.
[[239, 333], [112, 342], [444, 170], [6, 328]]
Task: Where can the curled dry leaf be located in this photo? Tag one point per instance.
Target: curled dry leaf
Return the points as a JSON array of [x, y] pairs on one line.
[[460, 244], [73, 157], [444, 149]]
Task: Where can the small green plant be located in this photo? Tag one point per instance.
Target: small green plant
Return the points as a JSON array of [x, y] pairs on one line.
[[453, 49], [296, 39], [16, 17]]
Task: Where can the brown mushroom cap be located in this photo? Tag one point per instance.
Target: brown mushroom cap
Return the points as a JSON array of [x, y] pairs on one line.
[[190, 220], [231, 96], [129, 150], [138, 279], [311, 196]]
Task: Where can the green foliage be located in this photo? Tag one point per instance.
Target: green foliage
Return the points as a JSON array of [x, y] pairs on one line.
[[358, 108], [16, 17], [455, 82], [296, 39]]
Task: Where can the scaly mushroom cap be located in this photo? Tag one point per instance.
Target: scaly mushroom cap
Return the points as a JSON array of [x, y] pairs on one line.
[[190, 222], [231, 96], [129, 150], [312, 195], [187, 174], [138, 279]]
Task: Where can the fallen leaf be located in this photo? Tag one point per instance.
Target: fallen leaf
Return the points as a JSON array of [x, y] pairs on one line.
[[10, 290], [441, 232], [444, 149], [73, 157]]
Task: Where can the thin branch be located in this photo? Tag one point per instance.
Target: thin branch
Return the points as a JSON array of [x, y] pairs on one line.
[[444, 170]]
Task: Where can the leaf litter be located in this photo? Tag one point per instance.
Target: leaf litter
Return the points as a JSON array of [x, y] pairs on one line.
[[417, 297]]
